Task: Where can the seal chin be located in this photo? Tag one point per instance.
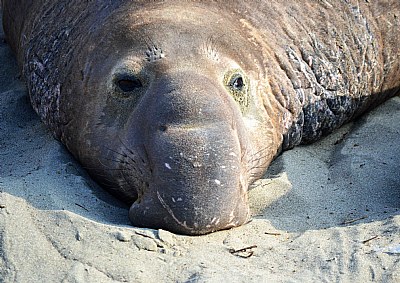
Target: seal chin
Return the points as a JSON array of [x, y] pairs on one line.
[[187, 217]]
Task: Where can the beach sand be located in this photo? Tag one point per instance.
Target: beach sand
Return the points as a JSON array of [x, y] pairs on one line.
[[327, 212]]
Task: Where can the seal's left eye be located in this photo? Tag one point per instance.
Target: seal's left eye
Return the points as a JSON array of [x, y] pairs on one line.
[[237, 83], [238, 86], [129, 84]]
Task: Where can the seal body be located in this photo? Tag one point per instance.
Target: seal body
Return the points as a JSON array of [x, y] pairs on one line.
[[178, 106]]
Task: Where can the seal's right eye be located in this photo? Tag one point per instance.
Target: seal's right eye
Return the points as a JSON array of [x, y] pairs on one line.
[[238, 86], [128, 83]]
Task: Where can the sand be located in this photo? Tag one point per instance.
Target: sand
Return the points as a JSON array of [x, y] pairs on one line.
[[328, 212]]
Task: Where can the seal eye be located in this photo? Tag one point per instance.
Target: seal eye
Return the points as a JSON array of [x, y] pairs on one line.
[[237, 83], [129, 84], [238, 86]]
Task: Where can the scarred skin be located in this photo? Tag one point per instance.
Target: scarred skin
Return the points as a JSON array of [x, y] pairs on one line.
[[178, 106]]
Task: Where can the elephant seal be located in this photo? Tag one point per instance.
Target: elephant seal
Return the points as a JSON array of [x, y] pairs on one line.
[[178, 106]]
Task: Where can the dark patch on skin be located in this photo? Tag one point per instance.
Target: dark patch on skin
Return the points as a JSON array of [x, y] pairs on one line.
[[154, 53]]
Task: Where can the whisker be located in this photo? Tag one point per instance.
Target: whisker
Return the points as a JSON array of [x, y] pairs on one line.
[[260, 151], [130, 151], [258, 159], [116, 152], [256, 174], [106, 182], [124, 155]]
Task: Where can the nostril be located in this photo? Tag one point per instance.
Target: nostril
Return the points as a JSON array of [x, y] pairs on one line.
[[163, 128]]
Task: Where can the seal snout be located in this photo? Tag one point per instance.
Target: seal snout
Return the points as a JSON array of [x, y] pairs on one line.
[[198, 183]]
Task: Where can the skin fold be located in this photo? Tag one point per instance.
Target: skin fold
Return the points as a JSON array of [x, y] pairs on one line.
[[178, 106]]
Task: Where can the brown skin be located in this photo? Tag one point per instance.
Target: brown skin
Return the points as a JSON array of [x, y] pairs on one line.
[[179, 107]]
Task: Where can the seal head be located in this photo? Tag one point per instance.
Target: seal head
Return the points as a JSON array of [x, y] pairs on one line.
[[173, 118]]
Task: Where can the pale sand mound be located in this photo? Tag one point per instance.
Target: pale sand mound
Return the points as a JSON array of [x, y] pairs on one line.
[[326, 213]]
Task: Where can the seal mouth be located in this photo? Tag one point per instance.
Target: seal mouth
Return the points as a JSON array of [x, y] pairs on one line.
[[162, 212]]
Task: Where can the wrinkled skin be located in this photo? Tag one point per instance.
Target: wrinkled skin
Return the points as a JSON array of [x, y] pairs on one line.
[[178, 107]]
